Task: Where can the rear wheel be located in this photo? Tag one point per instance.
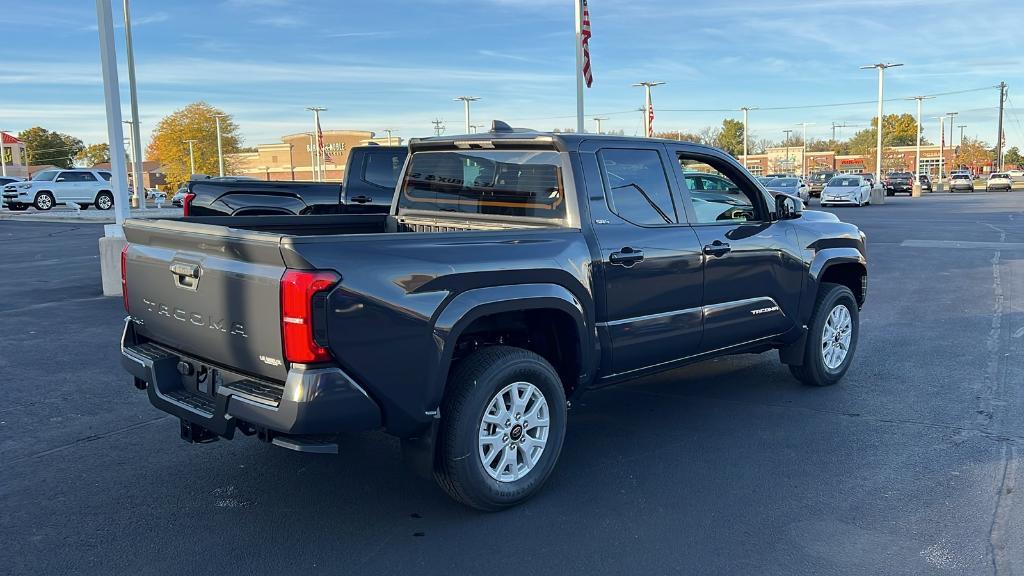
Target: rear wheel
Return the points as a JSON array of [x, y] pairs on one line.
[[104, 201], [502, 428], [832, 337], [44, 201]]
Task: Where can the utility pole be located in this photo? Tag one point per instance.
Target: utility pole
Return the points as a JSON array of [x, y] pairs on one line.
[[465, 104], [220, 147], [191, 155], [134, 95], [648, 107], [438, 126], [999, 133], [803, 151], [317, 135], [598, 120], [920, 129], [746, 132], [881, 66]]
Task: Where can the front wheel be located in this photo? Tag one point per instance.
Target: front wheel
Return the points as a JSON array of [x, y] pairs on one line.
[[44, 201], [503, 422], [104, 201], [832, 337]]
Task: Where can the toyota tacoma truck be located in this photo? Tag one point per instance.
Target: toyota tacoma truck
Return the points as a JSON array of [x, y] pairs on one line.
[[514, 271], [371, 173]]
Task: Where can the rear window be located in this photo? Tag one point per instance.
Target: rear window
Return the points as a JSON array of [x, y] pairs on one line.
[[1000, 175], [512, 183], [822, 177], [383, 169], [900, 175]]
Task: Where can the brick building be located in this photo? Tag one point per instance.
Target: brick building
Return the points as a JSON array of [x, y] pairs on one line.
[[293, 157]]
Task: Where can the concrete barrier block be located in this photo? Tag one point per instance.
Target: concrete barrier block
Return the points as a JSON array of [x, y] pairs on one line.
[[110, 264]]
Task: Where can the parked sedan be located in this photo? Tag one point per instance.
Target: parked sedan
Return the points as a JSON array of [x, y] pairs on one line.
[[961, 181], [999, 181], [1016, 175], [846, 190], [793, 186]]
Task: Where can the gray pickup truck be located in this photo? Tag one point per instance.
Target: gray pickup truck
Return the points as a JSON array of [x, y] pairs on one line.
[[514, 271]]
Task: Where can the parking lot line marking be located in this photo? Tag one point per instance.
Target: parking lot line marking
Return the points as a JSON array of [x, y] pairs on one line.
[[962, 244]]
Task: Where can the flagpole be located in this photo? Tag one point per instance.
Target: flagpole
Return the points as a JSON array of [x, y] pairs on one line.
[[579, 66]]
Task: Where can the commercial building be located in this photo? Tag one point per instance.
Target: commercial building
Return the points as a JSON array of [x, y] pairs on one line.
[[791, 160], [294, 157], [15, 157], [153, 175]]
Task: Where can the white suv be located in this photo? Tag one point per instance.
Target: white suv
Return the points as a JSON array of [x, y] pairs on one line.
[[84, 187]]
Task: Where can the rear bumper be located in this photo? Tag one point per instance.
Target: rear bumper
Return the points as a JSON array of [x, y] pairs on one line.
[[313, 400]]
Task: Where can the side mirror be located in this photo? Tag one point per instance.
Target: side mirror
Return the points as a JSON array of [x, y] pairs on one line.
[[788, 207]]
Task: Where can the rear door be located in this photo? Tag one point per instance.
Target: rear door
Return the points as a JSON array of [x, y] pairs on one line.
[[650, 262], [753, 273], [208, 291], [373, 185]]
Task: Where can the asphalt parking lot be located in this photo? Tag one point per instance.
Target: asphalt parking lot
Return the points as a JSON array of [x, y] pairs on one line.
[[912, 465]]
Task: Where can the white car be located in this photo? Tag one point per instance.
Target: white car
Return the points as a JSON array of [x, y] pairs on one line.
[[85, 187], [846, 189], [1016, 175], [999, 181]]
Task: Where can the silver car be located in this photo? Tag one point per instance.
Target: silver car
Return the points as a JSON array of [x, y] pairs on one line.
[[846, 190], [792, 185]]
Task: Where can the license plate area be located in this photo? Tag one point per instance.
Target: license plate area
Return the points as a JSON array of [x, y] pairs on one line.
[[199, 379]]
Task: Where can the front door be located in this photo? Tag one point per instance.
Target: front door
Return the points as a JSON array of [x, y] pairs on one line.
[[753, 273], [650, 261]]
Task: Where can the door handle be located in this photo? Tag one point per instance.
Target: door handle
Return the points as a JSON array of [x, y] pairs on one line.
[[361, 199], [626, 257], [717, 248]]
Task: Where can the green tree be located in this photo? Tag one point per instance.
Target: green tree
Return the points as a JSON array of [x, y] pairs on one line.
[[972, 154], [680, 136], [730, 138], [193, 122], [1012, 157], [93, 154], [46, 147]]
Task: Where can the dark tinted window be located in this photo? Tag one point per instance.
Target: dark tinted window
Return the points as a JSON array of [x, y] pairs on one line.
[[638, 188], [516, 183], [105, 176], [383, 168]]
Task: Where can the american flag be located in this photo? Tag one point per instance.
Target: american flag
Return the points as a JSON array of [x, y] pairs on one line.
[[585, 41], [650, 115], [320, 143]]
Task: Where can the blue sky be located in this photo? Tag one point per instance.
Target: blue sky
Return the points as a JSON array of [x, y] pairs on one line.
[[399, 63]]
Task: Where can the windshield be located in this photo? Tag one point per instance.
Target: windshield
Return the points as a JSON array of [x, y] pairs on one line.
[[900, 175], [45, 176], [823, 177], [516, 183], [783, 183], [844, 182]]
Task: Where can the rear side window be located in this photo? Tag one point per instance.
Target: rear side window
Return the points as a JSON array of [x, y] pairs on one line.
[[382, 168], [511, 183], [105, 175], [637, 185]]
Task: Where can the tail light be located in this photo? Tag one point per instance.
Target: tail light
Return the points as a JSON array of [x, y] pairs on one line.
[[124, 276], [186, 203], [303, 300]]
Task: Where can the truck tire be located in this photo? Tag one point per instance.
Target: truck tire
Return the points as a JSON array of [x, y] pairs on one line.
[[44, 201], [831, 338], [502, 427]]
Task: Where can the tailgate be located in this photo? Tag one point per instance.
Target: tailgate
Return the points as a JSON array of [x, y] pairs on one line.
[[209, 291]]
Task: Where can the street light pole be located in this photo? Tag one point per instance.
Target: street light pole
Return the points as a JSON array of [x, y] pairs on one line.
[[191, 155], [803, 151], [746, 133], [131, 156], [112, 99], [465, 104], [648, 121], [597, 121], [220, 148], [388, 130], [319, 171], [951, 115], [961, 127], [3, 153], [134, 95], [942, 146], [920, 129], [788, 132], [881, 66]]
